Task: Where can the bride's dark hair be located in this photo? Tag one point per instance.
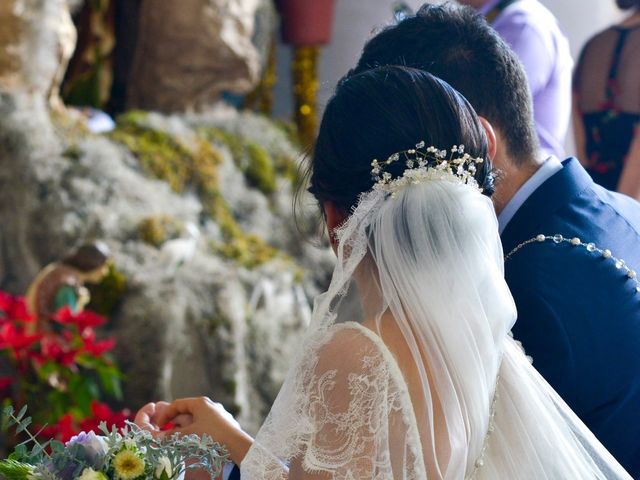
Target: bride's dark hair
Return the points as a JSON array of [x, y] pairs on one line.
[[386, 110], [628, 4]]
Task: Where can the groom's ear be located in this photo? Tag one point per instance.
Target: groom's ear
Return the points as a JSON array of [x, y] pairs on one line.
[[491, 137]]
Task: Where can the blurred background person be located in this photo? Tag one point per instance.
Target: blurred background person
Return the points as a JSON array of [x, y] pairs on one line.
[[532, 31], [607, 104]]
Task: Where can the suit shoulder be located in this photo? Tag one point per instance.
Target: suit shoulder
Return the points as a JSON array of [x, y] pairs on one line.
[[558, 262]]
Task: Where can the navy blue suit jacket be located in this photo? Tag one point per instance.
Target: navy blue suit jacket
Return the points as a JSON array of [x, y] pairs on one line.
[[578, 315]]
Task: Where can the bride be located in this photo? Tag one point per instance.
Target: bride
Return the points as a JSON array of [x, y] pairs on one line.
[[408, 370]]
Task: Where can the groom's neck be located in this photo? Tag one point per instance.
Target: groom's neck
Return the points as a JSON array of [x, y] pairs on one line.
[[511, 177]]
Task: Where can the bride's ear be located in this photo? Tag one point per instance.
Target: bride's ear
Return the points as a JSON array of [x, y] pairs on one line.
[[491, 137], [334, 216]]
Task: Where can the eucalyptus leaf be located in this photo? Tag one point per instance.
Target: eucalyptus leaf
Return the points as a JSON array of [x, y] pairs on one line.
[[21, 413], [23, 425]]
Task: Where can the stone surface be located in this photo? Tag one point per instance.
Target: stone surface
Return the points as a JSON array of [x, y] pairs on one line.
[[37, 39], [191, 321], [188, 52]]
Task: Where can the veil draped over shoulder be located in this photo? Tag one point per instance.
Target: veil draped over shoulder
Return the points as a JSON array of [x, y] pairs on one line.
[[408, 370]]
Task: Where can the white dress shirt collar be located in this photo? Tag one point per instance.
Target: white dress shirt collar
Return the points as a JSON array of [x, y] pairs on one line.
[[551, 166]]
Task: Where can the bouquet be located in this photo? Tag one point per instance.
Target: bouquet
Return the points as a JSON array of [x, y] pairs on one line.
[[126, 454]]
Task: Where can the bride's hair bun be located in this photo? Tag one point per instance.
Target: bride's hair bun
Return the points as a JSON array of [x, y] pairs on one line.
[[379, 112]]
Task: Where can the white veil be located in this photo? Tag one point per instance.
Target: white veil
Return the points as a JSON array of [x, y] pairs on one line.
[[408, 370]]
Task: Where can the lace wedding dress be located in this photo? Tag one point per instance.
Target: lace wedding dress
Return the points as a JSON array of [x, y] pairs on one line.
[[408, 370]]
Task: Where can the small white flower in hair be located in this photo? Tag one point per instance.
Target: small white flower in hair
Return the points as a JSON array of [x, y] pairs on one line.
[[427, 165]]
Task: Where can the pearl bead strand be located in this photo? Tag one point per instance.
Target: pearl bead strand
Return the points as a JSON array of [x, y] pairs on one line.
[[576, 242]]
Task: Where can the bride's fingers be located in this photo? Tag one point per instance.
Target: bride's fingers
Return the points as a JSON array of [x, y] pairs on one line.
[[187, 406], [159, 408], [144, 417], [182, 420]]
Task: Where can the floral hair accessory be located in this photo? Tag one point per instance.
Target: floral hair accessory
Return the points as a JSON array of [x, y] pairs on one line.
[[424, 164]]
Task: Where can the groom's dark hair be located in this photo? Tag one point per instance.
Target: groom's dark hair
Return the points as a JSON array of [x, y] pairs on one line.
[[456, 44]]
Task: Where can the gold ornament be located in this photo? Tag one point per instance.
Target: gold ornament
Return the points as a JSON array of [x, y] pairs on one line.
[[305, 90]]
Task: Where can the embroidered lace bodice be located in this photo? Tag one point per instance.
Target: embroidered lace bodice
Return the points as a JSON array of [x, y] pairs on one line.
[[350, 402]]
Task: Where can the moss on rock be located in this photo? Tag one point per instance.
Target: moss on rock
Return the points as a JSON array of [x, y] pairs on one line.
[[260, 172], [260, 167], [158, 229], [159, 153], [194, 167]]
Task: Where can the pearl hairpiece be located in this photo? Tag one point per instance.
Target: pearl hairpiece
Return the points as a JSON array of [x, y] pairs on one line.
[[424, 164]]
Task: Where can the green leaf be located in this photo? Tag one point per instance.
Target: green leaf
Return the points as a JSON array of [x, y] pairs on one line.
[[83, 391], [7, 417], [19, 452], [56, 446], [37, 450], [103, 428], [110, 380], [22, 426], [21, 413]]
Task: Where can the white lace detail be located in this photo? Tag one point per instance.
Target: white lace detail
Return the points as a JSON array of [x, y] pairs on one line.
[[345, 415]]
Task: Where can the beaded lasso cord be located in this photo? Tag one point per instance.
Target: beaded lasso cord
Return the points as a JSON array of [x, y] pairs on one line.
[[576, 242]]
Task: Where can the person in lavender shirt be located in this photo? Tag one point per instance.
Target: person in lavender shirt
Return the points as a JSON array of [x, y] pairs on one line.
[[534, 35]]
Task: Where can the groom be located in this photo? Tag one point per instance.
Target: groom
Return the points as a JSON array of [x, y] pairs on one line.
[[578, 308]]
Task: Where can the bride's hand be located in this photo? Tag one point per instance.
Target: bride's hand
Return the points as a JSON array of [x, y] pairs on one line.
[[147, 417], [207, 417]]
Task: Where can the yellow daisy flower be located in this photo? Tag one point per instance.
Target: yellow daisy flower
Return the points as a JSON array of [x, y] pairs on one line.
[[128, 465]]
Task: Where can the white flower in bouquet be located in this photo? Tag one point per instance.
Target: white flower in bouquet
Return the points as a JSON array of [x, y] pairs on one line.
[[91, 474], [163, 467]]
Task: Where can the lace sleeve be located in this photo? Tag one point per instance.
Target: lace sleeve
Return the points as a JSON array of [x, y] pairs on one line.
[[349, 418]]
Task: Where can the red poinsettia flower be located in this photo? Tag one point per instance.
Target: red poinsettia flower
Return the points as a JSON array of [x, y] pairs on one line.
[[14, 309], [5, 301], [96, 348], [14, 338], [83, 320], [62, 430], [53, 348], [101, 412]]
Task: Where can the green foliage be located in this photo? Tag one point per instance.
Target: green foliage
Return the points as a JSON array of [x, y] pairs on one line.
[[15, 470], [18, 462], [106, 295]]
